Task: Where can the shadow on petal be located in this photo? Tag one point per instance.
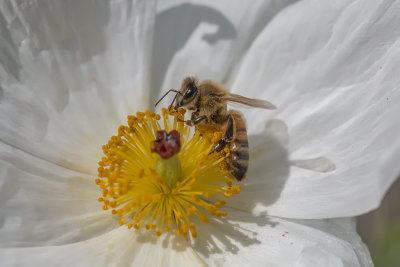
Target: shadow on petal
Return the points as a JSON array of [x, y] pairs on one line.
[[174, 27], [218, 236], [78, 27], [269, 167], [222, 235], [1, 93], [169, 240], [9, 57], [319, 164]]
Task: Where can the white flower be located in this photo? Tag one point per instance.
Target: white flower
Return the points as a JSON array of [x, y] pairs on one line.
[[70, 73]]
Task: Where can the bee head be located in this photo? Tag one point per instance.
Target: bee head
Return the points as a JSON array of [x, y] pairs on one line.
[[187, 94]]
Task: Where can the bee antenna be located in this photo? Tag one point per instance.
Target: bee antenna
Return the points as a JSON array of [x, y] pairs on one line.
[[173, 100], [170, 90]]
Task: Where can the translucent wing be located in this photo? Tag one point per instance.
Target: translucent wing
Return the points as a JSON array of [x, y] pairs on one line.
[[249, 102]]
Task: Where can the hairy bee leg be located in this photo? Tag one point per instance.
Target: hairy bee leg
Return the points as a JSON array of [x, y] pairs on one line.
[[219, 146], [196, 121], [227, 138]]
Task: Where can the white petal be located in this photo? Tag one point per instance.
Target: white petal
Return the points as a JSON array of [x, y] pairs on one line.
[[70, 73], [45, 204], [267, 241], [207, 39], [332, 148], [120, 247]]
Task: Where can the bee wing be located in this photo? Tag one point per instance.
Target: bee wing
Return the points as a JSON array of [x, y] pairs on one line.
[[249, 102]]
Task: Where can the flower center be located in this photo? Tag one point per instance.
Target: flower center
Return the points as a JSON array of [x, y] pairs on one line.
[[158, 173]]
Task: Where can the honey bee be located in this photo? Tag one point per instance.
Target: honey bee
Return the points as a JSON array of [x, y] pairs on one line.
[[207, 102]]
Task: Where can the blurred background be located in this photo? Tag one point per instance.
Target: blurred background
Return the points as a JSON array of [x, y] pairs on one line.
[[380, 229]]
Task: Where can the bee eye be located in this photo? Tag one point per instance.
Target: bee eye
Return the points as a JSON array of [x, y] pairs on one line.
[[190, 92]]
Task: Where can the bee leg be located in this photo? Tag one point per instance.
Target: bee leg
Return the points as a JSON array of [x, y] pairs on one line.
[[227, 138], [196, 120], [219, 146]]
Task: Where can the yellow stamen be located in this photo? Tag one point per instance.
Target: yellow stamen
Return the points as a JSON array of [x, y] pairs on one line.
[[163, 194]]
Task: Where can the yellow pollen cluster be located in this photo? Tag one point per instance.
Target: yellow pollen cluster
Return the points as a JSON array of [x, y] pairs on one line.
[[134, 191]]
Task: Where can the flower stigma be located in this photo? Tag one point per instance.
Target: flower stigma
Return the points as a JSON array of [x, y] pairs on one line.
[[167, 165], [158, 173]]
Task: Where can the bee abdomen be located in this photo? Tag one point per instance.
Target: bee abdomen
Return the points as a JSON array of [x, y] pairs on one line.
[[238, 160]]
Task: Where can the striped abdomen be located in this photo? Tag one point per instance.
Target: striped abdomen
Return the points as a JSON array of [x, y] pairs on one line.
[[238, 160]]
